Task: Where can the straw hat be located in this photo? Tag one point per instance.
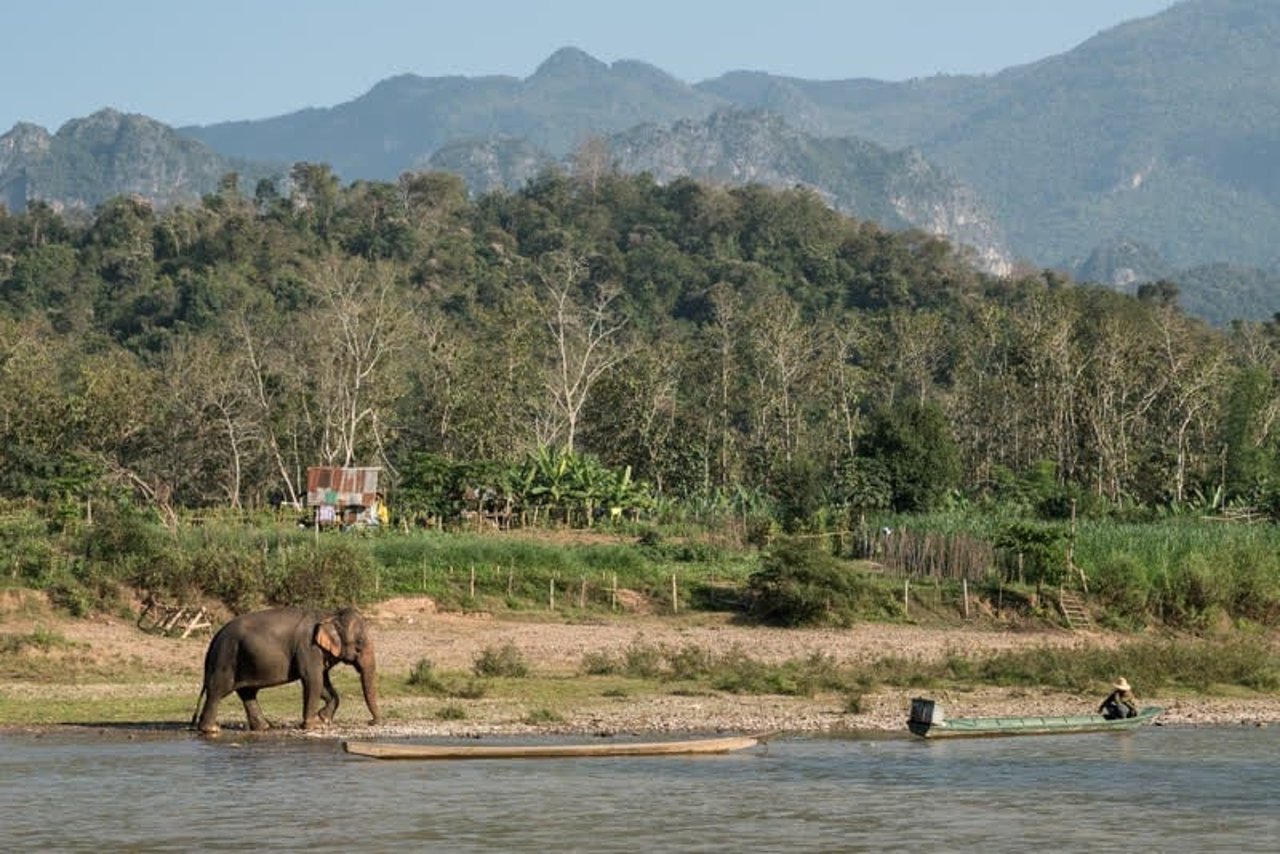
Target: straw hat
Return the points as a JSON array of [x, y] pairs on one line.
[[1121, 684]]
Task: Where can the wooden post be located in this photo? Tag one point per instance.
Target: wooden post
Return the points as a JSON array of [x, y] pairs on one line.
[[552, 598], [471, 590], [675, 598], [906, 596], [511, 579], [613, 594], [964, 587], [582, 593]]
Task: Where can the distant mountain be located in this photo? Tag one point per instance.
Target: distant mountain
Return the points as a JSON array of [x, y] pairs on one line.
[[734, 147], [1163, 131], [1124, 264], [1161, 134], [107, 154], [899, 189], [402, 121]]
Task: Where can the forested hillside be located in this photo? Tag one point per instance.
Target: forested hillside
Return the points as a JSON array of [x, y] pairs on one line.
[[727, 345]]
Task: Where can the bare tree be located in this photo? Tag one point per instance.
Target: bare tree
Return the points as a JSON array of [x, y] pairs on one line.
[[723, 335], [215, 411], [591, 162], [784, 348], [357, 326], [585, 334], [1196, 368], [1121, 389], [273, 379]]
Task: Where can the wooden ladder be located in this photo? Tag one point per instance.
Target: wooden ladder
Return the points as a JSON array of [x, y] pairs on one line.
[[1073, 610]]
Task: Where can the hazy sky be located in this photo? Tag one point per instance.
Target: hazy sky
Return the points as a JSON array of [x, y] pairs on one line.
[[203, 61]]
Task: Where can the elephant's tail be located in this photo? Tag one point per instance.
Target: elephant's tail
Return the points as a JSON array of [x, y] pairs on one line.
[[204, 689]]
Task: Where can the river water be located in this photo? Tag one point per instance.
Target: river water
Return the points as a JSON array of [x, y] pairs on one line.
[[1155, 789]]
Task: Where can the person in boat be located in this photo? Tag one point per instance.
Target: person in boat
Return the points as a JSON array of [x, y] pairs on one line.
[[1120, 703]]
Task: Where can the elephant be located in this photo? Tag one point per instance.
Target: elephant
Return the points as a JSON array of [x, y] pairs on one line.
[[273, 647]]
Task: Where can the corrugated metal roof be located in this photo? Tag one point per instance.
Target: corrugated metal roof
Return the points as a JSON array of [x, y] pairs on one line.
[[341, 487]]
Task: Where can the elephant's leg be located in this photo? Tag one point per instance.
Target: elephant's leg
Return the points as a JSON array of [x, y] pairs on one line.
[[208, 724], [330, 696], [312, 692], [252, 711]]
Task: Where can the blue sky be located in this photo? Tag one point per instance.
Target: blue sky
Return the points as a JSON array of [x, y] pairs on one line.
[[203, 61]]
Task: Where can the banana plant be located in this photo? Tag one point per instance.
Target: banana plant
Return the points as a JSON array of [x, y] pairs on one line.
[[576, 485], [546, 482], [625, 493], [589, 483]]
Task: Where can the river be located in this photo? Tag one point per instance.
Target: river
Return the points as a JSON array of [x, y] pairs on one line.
[[1156, 789]]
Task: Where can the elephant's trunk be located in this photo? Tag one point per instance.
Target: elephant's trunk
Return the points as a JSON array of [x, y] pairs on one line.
[[367, 667]]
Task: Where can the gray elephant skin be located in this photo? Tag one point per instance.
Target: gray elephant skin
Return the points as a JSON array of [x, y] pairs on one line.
[[266, 648]]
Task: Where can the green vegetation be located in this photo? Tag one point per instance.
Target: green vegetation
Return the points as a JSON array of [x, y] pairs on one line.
[[452, 712], [542, 717], [505, 661], [41, 639], [424, 678], [1188, 665], [700, 398], [1182, 572], [585, 346], [799, 585]]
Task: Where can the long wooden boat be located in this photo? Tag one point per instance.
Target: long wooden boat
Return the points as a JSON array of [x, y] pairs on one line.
[[385, 750], [927, 721]]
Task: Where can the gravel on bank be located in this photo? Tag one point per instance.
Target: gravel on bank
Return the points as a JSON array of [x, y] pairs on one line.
[[410, 630]]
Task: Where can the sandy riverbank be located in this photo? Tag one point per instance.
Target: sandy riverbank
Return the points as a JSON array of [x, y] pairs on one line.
[[408, 630]]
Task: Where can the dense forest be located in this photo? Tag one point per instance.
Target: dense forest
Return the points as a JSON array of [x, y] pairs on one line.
[[684, 344]]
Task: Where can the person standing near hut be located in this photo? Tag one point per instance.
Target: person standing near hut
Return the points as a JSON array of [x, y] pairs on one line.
[[1120, 703]]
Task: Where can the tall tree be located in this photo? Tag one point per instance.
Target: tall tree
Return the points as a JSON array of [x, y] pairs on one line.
[[358, 324], [585, 336]]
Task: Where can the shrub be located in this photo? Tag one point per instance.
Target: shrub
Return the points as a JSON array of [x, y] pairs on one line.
[[1041, 549], [423, 676], [234, 576], [41, 638], [472, 689], [599, 664], [501, 661], [799, 584], [539, 717], [642, 660], [336, 573], [854, 703], [121, 530], [690, 662]]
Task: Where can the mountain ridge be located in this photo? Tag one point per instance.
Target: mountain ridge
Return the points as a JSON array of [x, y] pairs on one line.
[[1159, 132]]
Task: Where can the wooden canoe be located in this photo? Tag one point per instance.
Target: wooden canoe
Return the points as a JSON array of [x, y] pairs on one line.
[[385, 750], [927, 721]]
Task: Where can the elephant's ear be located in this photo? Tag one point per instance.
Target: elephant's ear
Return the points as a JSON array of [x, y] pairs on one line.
[[327, 638]]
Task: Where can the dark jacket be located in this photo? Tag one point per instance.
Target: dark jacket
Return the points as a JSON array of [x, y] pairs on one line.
[[1119, 704]]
